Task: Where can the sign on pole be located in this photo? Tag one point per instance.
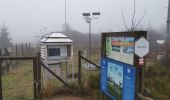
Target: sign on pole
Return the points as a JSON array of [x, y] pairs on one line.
[[141, 47]]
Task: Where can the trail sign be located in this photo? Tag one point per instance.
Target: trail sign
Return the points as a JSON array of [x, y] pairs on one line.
[[141, 47]]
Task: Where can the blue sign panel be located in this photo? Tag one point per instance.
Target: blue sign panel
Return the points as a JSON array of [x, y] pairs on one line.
[[117, 79]]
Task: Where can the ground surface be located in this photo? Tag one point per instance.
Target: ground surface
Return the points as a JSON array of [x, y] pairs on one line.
[[69, 98], [18, 83]]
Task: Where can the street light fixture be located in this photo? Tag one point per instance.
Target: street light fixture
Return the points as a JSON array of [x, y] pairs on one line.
[[96, 15], [88, 18]]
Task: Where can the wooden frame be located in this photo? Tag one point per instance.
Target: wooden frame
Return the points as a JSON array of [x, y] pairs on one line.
[[36, 73]]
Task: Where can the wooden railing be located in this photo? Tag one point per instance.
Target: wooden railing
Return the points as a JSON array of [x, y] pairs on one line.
[[80, 57]]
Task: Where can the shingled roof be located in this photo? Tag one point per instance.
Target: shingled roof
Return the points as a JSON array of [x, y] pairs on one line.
[[56, 37]]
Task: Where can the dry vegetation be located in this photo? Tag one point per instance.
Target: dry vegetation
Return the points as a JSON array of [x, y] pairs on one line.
[[158, 82], [18, 83]]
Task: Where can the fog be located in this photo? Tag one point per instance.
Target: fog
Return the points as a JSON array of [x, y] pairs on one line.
[[26, 18]]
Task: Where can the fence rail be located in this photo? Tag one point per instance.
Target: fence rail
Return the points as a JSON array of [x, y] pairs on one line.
[[56, 76], [36, 73], [16, 58], [79, 65]]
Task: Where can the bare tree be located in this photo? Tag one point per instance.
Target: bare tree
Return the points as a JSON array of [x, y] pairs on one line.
[[135, 22]]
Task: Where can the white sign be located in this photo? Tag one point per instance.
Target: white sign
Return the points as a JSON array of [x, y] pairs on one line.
[[160, 41], [141, 47]]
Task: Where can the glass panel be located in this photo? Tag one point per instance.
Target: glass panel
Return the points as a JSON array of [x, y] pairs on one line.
[[54, 52]]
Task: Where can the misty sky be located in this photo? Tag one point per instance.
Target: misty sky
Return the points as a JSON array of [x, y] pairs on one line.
[[25, 18]]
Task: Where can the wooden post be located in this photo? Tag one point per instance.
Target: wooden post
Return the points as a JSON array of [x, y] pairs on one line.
[[66, 71], [35, 77], [26, 49], [0, 81], [39, 72], [22, 50], [79, 68], [61, 69], [16, 50], [30, 49], [156, 54], [72, 68]]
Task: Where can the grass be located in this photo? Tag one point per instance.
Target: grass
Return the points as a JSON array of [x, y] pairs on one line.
[[18, 83], [158, 82], [90, 81]]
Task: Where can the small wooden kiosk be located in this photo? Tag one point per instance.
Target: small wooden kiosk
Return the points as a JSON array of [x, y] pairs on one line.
[[56, 48]]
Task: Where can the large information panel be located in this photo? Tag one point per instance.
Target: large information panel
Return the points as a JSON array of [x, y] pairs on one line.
[[120, 77], [117, 79], [120, 49]]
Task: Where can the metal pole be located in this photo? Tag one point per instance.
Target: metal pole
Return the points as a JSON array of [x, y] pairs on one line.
[[65, 15], [168, 18], [79, 68], [0, 80], [90, 44], [90, 40], [156, 53]]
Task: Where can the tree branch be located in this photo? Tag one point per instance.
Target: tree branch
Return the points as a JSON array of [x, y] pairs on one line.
[[133, 17], [124, 21], [139, 21], [149, 25]]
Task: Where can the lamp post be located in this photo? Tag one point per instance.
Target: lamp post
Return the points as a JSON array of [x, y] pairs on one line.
[[88, 18]]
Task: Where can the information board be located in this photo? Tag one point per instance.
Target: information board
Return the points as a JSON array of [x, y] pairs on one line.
[[117, 79], [120, 49], [121, 69]]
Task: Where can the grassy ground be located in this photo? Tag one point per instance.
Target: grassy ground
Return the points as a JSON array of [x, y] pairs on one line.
[[90, 79], [18, 83], [158, 82]]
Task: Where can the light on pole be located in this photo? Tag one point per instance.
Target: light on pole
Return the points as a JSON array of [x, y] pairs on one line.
[[88, 18]]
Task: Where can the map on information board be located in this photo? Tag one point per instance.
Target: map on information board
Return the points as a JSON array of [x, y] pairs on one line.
[[121, 49], [117, 80]]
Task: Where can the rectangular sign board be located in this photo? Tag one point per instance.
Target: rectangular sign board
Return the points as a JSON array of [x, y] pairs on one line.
[[117, 79], [120, 67], [120, 49]]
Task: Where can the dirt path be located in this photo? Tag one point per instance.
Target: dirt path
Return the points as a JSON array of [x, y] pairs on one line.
[[69, 98]]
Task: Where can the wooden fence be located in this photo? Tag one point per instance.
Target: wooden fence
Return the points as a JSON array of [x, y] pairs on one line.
[[36, 73], [19, 50], [80, 57]]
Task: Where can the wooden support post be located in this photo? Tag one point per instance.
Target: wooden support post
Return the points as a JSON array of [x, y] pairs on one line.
[[26, 49], [61, 69], [79, 68], [140, 80], [0, 81], [39, 72], [156, 54], [30, 49], [16, 50], [35, 77], [66, 71], [72, 68], [22, 50]]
